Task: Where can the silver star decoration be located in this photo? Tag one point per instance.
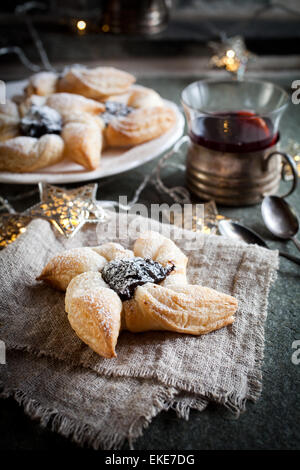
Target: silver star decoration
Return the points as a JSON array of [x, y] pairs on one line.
[[191, 217], [231, 54], [67, 210]]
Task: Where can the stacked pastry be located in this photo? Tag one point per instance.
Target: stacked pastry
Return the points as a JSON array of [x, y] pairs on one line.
[[109, 289], [75, 116]]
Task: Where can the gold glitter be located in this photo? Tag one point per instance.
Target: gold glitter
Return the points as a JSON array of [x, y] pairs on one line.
[[202, 218], [67, 210], [11, 226]]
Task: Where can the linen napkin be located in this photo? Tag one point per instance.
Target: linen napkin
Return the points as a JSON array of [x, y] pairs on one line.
[[103, 402]]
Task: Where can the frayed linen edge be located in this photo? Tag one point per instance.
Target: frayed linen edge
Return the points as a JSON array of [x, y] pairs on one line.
[[86, 435], [80, 432], [232, 400]]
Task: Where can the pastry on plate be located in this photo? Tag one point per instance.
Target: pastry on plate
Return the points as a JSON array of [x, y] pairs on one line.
[[100, 83], [74, 115], [25, 154], [131, 114], [136, 117], [143, 97], [82, 135], [43, 131], [109, 289], [70, 103], [64, 103], [42, 84], [36, 142], [138, 97], [138, 126], [97, 83], [9, 120]]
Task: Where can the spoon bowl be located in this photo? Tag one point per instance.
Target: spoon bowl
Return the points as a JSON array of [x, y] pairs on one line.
[[280, 218], [240, 232]]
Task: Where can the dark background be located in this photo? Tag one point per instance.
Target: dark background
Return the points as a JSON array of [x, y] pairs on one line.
[[268, 30]]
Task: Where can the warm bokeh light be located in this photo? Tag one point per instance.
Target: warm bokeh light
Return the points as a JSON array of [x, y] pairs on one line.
[[229, 60], [81, 25], [230, 53]]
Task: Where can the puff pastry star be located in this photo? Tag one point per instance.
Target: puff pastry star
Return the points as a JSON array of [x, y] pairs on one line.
[[94, 279]]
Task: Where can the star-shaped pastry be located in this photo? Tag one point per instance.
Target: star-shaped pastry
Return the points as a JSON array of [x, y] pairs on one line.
[[110, 288]]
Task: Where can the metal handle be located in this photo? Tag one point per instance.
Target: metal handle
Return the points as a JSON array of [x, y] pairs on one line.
[[289, 161], [293, 258], [296, 242]]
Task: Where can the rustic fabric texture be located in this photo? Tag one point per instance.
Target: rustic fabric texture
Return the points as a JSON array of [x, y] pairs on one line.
[[100, 401]]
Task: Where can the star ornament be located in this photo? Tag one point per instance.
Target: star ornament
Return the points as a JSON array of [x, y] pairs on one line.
[[67, 210], [202, 218], [232, 55]]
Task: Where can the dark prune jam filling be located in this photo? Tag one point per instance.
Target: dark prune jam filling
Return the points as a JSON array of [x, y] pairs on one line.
[[125, 275], [114, 109], [41, 120]]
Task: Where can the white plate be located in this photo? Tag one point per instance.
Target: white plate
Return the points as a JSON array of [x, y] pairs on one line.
[[113, 161]]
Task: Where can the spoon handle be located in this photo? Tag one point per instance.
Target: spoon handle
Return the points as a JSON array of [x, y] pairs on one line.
[[297, 243], [295, 259]]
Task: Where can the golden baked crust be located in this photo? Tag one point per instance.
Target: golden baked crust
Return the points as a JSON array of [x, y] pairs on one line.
[[111, 251], [149, 118], [61, 269], [74, 95], [42, 83], [64, 103], [65, 266], [80, 139], [142, 97], [9, 120], [82, 135], [25, 154], [97, 314], [27, 102], [155, 246], [189, 309], [94, 312], [69, 103], [138, 96], [97, 83], [140, 126]]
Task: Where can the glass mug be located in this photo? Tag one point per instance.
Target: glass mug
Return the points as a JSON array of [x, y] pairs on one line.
[[233, 127]]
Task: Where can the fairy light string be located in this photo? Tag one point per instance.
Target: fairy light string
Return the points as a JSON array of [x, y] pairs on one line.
[[232, 64], [22, 11], [69, 210], [230, 53]]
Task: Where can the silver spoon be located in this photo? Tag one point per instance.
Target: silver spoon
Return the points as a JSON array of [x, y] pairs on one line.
[[240, 232], [280, 218]]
